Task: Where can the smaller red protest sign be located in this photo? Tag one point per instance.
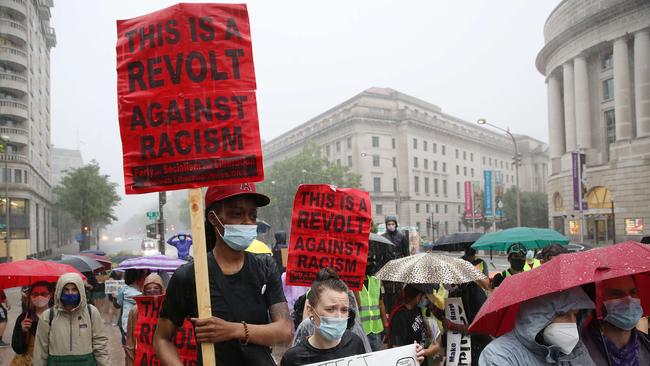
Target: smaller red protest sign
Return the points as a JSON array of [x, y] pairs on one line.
[[148, 311], [330, 227]]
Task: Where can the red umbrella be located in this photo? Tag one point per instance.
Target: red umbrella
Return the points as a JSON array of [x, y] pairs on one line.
[[26, 272], [497, 316], [102, 259]]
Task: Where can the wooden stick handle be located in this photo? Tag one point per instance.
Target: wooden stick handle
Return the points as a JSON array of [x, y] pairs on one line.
[[201, 268]]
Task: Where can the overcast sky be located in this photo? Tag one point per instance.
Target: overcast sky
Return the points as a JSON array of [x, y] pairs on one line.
[[471, 58]]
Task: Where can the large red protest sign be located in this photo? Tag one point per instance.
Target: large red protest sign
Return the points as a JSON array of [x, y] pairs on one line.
[[148, 311], [186, 98], [329, 228]]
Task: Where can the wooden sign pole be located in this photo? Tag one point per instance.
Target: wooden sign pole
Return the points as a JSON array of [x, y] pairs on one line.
[[201, 267]]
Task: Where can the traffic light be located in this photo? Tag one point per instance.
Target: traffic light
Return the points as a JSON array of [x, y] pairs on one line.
[[428, 223], [152, 230], [516, 160]]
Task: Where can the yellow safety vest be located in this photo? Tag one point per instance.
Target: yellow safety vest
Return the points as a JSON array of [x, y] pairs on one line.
[[536, 263], [369, 312]]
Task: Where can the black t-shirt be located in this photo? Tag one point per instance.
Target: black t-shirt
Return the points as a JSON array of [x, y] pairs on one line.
[[407, 326], [251, 292], [304, 353]]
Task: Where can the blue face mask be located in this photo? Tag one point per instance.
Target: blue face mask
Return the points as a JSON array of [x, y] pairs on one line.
[[238, 237], [332, 328], [70, 299], [623, 313]]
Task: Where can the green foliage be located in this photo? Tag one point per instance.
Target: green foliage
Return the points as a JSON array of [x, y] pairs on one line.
[[534, 209], [283, 178], [88, 197]]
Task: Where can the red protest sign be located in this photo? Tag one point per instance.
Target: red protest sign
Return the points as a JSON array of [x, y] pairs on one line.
[[148, 310], [330, 227], [186, 98]]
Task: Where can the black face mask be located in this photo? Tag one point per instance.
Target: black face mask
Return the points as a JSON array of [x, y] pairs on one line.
[[517, 264]]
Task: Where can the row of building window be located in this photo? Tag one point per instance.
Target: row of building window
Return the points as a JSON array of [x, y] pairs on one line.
[[379, 208], [18, 176]]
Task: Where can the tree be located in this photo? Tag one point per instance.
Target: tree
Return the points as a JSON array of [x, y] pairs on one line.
[[283, 178], [534, 209], [88, 197]]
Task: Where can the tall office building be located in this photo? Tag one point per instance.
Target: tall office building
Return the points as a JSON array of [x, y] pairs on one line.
[[26, 38], [412, 155], [596, 60]]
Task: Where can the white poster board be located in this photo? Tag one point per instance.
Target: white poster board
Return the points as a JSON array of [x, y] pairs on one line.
[[112, 286], [459, 346], [399, 356]]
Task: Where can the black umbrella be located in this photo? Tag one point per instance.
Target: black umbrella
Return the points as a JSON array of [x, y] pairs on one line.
[[81, 263], [456, 242], [378, 239]]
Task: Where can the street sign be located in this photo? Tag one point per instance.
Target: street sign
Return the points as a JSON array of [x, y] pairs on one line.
[[153, 215], [3, 226]]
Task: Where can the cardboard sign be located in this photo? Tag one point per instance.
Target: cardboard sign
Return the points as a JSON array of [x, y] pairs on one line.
[[398, 356], [330, 227], [148, 310], [186, 98], [459, 346], [113, 286]]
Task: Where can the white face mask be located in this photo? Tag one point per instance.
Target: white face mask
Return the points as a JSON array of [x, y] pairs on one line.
[[562, 335]]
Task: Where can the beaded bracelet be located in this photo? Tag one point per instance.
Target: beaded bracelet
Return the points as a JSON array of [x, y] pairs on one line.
[[246, 334]]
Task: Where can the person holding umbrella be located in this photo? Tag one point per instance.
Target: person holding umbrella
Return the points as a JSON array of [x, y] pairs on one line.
[[612, 338], [517, 259], [24, 335]]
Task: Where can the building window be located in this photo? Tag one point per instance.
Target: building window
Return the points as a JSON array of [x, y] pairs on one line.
[[349, 142], [375, 141], [446, 208], [426, 185], [338, 146], [444, 187], [416, 183], [379, 209], [394, 184], [375, 160], [426, 164], [608, 89], [459, 224], [393, 142], [456, 153], [465, 171], [472, 172], [338, 162], [18, 176], [471, 157], [425, 145], [417, 208], [435, 166], [607, 61], [444, 167], [443, 150], [459, 208], [464, 155], [435, 148], [394, 162], [457, 170], [484, 160], [458, 189], [446, 227], [428, 208], [415, 143], [327, 150], [610, 125], [376, 184], [415, 162], [437, 208], [6, 175], [349, 160], [435, 186], [490, 162]]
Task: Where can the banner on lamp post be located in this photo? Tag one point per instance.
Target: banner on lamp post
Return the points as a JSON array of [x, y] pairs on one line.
[[487, 178]]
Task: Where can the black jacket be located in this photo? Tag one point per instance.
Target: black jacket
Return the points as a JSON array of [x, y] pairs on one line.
[[401, 242], [20, 339]]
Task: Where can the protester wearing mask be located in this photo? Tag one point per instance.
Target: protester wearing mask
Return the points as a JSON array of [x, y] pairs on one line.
[[153, 286], [612, 338], [407, 324], [182, 242], [72, 331], [531, 261], [24, 335], [399, 249], [328, 310], [546, 333], [249, 311], [517, 259]]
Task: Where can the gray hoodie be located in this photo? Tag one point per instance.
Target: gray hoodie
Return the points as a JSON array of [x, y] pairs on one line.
[[71, 333], [519, 346]]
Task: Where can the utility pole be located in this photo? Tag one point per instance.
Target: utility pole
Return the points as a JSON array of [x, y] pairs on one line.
[[5, 139], [162, 199]]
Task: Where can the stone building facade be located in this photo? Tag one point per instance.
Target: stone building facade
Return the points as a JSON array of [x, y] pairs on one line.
[[410, 154], [25, 42], [596, 60]]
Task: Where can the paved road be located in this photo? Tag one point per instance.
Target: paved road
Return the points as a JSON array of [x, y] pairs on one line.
[[7, 354]]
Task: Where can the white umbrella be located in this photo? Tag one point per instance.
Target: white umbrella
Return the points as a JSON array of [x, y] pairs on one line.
[[429, 268]]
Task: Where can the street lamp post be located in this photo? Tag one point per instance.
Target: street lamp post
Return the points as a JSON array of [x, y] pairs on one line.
[[483, 121], [399, 196], [5, 139]]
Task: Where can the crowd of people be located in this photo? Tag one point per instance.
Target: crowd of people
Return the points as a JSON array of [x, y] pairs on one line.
[[254, 311]]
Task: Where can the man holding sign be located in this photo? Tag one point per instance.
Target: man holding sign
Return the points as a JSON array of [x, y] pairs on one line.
[[245, 289]]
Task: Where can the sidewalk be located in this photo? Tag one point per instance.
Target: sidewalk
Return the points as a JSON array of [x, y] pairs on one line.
[[7, 354]]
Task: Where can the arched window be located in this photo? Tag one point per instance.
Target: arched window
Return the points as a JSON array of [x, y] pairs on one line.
[[599, 197], [558, 203]]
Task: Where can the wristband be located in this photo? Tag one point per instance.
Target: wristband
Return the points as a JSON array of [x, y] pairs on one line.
[[246, 334]]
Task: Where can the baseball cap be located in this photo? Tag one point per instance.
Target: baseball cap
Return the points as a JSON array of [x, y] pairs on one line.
[[517, 248], [219, 193]]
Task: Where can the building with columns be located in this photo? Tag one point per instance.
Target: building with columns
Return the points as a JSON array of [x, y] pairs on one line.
[[412, 157], [596, 60]]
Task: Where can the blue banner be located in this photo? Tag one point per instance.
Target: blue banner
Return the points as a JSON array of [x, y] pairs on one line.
[[487, 177]]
